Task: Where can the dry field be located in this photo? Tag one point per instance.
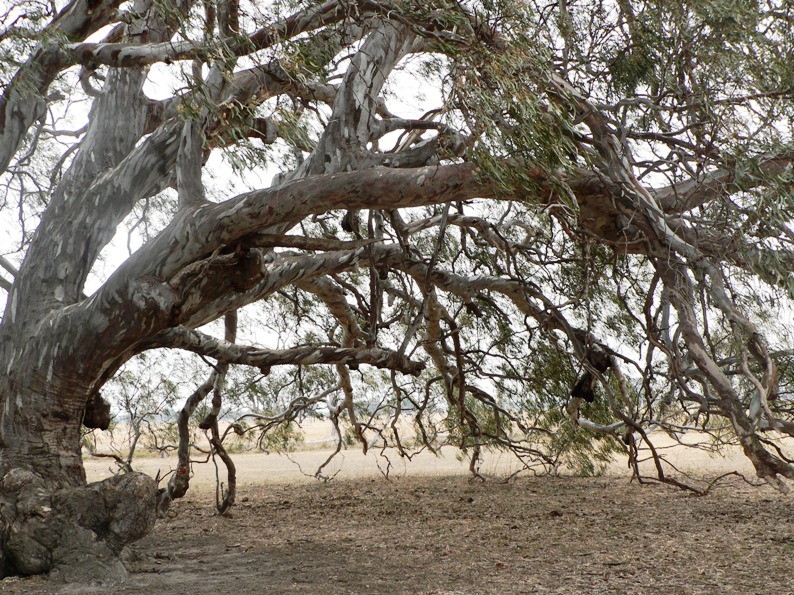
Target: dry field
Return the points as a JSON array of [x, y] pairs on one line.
[[430, 529]]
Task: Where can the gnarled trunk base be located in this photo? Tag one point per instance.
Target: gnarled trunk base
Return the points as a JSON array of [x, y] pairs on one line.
[[77, 533]]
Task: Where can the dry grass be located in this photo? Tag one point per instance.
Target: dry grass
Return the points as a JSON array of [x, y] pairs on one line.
[[454, 535], [430, 529]]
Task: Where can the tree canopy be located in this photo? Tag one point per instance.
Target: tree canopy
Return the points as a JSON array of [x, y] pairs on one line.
[[549, 227]]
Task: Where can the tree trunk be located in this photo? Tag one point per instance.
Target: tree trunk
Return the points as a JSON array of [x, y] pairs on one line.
[[50, 520]]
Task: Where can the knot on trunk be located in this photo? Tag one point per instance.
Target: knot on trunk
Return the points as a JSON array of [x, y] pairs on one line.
[[599, 217], [208, 422], [97, 412], [75, 533]]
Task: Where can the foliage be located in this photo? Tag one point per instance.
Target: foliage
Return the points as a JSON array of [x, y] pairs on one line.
[[608, 256]]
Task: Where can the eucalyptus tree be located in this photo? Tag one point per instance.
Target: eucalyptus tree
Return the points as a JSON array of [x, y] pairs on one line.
[[520, 225]]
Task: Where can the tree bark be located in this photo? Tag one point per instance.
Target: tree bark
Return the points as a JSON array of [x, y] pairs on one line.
[[50, 521], [58, 347]]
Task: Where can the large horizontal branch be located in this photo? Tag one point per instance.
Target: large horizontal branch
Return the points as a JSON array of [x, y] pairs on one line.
[[691, 194], [194, 235], [125, 55], [277, 240], [230, 353]]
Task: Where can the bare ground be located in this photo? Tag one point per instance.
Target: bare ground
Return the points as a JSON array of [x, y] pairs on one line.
[[454, 535]]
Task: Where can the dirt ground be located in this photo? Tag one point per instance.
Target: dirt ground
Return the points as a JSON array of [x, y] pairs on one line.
[[426, 534]]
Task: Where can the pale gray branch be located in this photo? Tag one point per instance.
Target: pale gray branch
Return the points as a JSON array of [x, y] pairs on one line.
[[264, 359], [688, 195], [124, 55], [6, 264]]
